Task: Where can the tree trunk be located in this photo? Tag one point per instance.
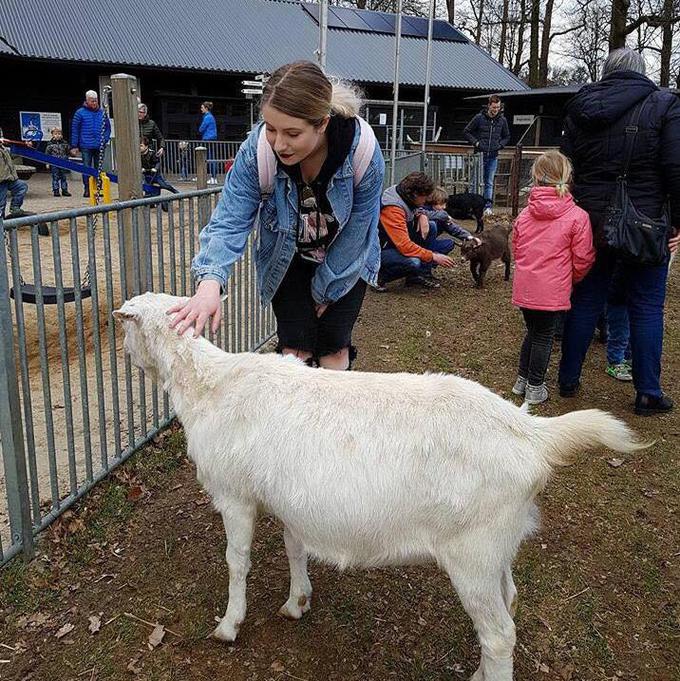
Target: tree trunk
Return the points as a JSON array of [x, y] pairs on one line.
[[520, 37], [535, 23], [504, 31], [545, 44], [666, 43], [480, 22], [618, 33], [451, 11]]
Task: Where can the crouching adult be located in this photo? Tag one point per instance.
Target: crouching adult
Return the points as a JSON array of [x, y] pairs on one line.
[[409, 245]]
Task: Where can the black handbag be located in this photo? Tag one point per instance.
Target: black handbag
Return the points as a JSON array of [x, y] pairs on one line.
[[635, 237]]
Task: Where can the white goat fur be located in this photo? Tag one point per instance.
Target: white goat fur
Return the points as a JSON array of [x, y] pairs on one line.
[[360, 468]]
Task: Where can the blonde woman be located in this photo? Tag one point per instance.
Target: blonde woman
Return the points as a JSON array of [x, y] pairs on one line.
[[317, 223], [553, 248]]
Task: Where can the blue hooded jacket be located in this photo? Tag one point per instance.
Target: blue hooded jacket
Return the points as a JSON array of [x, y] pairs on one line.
[[208, 127], [86, 128], [593, 138]]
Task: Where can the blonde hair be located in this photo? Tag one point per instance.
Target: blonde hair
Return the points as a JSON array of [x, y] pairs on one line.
[[438, 196], [302, 90], [553, 169]]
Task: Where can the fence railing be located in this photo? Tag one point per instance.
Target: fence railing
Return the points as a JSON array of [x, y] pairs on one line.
[[72, 407], [179, 158], [454, 172]]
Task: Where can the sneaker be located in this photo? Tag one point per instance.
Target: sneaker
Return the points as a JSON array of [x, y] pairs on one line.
[[65, 192], [535, 394], [18, 213], [621, 372], [55, 193], [86, 193], [520, 386], [648, 405], [425, 282], [488, 210], [380, 286], [569, 390]]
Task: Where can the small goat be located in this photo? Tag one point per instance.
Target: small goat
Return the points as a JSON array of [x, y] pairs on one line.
[[494, 245], [361, 470]]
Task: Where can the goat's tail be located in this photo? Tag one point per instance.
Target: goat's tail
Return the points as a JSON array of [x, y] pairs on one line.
[[580, 431]]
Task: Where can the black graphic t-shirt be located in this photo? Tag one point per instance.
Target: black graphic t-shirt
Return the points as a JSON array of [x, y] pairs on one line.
[[317, 226]]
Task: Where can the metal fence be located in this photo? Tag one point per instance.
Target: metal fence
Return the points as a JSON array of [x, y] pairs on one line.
[[72, 407], [454, 172], [179, 158]]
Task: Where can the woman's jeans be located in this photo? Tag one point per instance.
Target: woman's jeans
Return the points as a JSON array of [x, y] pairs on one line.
[[643, 291], [537, 346]]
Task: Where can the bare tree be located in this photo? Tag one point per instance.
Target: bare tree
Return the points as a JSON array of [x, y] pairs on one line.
[[535, 26], [588, 47]]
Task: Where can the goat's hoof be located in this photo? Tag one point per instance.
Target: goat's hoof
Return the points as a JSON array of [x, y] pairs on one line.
[[295, 608], [225, 632]]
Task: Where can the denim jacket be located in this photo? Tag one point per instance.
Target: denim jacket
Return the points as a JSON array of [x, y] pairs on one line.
[[354, 254]]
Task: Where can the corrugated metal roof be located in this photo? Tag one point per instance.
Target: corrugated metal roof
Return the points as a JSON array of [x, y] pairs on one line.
[[241, 36]]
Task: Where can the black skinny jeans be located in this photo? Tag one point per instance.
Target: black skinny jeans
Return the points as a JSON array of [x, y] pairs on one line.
[[537, 345]]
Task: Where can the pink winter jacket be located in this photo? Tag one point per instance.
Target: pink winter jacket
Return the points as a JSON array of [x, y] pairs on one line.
[[552, 243]]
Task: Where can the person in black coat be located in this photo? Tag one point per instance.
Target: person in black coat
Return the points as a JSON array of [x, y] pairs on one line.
[[488, 132], [594, 132]]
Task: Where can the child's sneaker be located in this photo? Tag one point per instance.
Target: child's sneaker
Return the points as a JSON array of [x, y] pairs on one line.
[[621, 372], [535, 394], [520, 386]]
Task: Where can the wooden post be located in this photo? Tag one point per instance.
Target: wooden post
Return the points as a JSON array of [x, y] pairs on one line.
[[200, 158], [516, 171], [128, 163]]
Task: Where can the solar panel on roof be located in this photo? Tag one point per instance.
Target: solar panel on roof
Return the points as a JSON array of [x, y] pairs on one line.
[[411, 28], [346, 18], [376, 22], [442, 30], [351, 18]]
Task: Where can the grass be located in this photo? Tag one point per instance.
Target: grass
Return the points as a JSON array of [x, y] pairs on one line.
[[598, 584]]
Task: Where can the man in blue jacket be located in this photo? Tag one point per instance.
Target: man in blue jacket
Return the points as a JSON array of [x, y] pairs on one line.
[[208, 132], [86, 133], [488, 132]]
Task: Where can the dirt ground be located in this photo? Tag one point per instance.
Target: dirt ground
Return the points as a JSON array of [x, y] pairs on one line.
[[598, 584]]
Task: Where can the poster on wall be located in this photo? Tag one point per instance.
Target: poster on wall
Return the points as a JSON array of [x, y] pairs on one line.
[[38, 125]]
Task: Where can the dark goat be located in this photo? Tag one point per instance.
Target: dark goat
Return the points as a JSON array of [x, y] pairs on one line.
[[494, 245], [466, 205]]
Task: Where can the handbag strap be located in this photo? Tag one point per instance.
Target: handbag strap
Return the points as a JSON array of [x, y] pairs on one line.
[[631, 131]]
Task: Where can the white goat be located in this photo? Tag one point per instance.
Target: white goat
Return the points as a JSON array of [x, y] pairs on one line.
[[361, 470]]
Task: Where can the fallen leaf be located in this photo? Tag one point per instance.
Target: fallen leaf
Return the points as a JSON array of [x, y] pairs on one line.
[[544, 668], [66, 629], [135, 493], [132, 665], [277, 666], [156, 636], [422, 622], [615, 463], [95, 623]]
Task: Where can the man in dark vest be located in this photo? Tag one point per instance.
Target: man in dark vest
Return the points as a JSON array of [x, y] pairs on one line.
[[488, 132]]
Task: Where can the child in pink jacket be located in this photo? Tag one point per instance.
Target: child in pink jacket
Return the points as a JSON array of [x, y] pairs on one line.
[[552, 244]]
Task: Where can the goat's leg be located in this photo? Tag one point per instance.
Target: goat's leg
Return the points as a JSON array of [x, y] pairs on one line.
[[239, 520], [473, 269], [300, 595], [509, 591], [506, 261], [482, 274], [480, 593]]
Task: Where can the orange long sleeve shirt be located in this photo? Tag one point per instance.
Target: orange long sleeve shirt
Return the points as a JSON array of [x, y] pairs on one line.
[[393, 221]]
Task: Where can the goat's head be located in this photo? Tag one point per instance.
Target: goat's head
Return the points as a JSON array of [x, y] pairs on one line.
[[467, 248], [145, 322]]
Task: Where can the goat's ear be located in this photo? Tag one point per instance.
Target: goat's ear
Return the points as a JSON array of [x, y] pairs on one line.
[[125, 316]]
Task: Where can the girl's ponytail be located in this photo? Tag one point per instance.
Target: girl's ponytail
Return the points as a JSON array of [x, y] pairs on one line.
[[346, 99], [553, 169]]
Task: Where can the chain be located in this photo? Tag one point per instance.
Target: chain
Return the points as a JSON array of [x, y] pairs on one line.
[[85, 283]]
